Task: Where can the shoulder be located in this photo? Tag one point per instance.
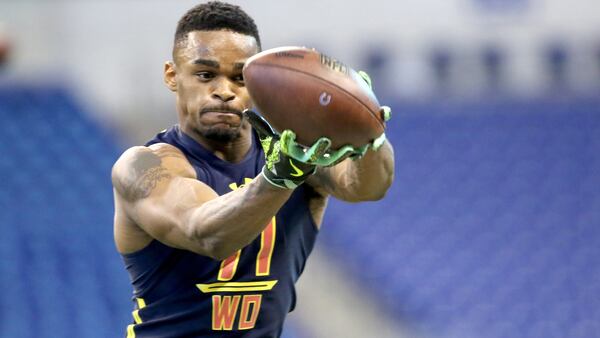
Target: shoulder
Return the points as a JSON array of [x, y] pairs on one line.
[[141, 164], [141, 158]]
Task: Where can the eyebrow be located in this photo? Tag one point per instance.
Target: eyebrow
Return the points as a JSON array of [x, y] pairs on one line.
[[215, 64], [209, 63]]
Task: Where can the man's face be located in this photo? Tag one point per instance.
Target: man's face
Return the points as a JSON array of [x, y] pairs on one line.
[[207, 79]]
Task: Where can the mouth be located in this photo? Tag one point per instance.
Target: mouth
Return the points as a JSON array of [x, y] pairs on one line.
[[221, 116], [221, 110]]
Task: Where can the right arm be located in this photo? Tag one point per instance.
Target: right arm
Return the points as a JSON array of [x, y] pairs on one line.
[[157, 189]]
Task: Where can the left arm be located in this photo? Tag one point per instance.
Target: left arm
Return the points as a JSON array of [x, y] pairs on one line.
[[366, 179]]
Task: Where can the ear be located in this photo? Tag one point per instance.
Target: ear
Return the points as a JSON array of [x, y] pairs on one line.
[[170, 76]]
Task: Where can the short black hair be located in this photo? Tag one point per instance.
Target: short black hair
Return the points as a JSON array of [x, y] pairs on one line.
[[215, 15]]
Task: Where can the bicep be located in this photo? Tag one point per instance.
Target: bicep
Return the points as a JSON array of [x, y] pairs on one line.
[[158, 191]]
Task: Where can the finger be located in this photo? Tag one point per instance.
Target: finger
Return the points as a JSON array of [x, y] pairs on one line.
[[289, 147], [378, 142], [259, 123], [386, 113], [313, 155], [288, 136], [366, 77], [342, 156], [318, 149]]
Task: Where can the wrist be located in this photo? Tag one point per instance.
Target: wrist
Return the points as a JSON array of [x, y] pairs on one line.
[[277, 181], [289, 183]]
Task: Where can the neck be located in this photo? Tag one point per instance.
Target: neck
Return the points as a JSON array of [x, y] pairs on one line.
[[233, 151]]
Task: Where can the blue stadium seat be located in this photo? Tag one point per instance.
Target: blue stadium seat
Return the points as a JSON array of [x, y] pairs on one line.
[[491, 228], [60, 273]]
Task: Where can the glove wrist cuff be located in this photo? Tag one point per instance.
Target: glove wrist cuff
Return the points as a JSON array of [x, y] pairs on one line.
[[277, 181]]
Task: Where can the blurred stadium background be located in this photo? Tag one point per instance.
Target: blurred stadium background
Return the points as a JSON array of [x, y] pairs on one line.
[[492, 228]]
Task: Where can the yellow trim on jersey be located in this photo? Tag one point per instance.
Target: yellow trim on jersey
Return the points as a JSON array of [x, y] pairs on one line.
[[136, 317], [136, 314], [130, 332], [237, 286]]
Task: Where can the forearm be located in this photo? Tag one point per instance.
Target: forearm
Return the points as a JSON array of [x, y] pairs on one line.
[[372, 175], [231, 221], [366, 179]]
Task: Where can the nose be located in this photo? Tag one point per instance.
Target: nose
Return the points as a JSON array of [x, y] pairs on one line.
[[222, 90]]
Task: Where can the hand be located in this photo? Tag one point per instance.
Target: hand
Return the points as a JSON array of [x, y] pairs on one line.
[[281, 169]]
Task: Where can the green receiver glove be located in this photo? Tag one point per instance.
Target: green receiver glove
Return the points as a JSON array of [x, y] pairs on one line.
[[281, 170]]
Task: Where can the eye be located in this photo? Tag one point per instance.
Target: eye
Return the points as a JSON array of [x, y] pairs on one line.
[[205, 76], [239, 78]]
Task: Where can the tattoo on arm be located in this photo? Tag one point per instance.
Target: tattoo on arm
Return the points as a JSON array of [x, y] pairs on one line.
[[146, 172]]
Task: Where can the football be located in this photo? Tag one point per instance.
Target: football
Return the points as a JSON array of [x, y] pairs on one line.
[[313, 95]]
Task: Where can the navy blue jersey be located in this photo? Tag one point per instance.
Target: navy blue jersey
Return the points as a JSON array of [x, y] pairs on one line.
[[178, 293]]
